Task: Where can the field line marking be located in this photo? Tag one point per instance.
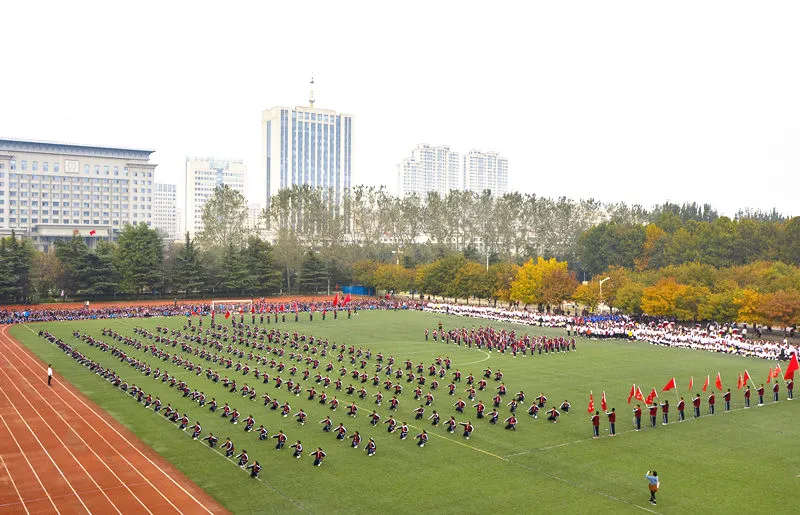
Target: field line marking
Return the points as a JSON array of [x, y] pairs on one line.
[[60, 441], [69, 390], [19, 415], [70, 428], [24, 455], [14, 484]]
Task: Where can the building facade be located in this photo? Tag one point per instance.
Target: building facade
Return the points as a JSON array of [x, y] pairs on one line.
[[51, 191], [429, 169], [485, 171], [307, 146], [203, 176], [165, 210]]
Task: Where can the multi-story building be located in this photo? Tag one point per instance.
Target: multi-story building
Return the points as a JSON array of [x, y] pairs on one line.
[[429, 169], [203, 176], [485, 171], [165, 210], [307, 146], [52, 191]]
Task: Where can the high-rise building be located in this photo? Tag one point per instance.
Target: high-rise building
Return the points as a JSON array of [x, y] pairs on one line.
[[485, 171], [165, 210], [52, 191], [203, 176], [307, 146], [429, 169]]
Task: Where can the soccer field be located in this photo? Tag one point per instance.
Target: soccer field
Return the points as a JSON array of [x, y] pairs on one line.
[[742, 461]]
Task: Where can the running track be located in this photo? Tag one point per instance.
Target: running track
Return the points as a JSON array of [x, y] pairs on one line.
[[92, 464]]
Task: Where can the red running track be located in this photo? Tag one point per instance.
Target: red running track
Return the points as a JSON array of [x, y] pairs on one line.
[[61, 453]]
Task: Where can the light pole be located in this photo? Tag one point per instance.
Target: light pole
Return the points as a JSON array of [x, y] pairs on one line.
[[601, 287]]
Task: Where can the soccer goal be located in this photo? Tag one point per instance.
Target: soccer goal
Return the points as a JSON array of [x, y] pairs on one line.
[[234, 307]]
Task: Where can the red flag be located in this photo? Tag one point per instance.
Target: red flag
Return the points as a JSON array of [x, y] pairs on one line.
[[746, 377], [603, 404], [669, 386], [633, 392], [347, 298], [591, 403], [790, 369], [739, 382], [294, 306], [650, 398], [92, 232], [336, 300], [281, 308], [252, 309], [227, 314], [705, 385], [691, 383], [639, 395], [777, 372], [769, 375], [718, 382]]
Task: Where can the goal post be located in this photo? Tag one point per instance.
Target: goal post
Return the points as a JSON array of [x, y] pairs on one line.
[[235, 306]]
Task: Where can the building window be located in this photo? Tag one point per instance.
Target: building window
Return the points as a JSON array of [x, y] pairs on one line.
[[24, 165], [13, 164], [55, 167], [45, 167], [105, 169]]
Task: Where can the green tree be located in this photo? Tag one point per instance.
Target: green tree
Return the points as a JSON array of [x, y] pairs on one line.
[[224, 216], [16, 256], [263, 277], [139, 258], [103, 275], [313, 274], [188, 275], [232, 276], [73, 256]]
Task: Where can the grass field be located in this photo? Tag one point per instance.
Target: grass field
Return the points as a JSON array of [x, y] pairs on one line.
[[743, 461]]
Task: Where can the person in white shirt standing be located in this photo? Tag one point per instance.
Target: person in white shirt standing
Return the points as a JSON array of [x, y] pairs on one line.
[[49, 375]]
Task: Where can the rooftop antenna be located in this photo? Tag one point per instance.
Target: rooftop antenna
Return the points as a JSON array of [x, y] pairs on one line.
[[311, 94]]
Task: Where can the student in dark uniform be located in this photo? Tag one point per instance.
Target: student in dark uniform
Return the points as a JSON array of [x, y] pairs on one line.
[[747, 394], [612, 422], [596, 425], [637, 418], [727, 398]]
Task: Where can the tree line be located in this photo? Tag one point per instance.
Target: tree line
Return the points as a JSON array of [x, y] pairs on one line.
[[513, 248]]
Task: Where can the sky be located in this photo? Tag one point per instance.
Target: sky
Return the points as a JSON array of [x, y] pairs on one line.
[[620, 101]]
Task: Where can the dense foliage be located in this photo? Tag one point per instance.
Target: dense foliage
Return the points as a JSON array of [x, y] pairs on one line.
[[684, 262]]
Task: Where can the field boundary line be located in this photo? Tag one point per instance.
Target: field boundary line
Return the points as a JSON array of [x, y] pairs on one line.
[[70, 390], [14, 484], [8, 428], [70, 428]]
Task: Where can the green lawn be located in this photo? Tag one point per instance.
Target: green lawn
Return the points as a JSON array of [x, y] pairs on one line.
[[742, 461]]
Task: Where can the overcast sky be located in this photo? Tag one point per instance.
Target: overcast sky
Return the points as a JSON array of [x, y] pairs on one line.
[[631, 101]]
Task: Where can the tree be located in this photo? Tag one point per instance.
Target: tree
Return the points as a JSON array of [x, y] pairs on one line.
[[364, 272], [661, 299], [587, 294], [263, 277], [543, 282], [73, 256], [392, 277], [139, 257], [188, 271], [471, 281], [16, 256], [46, 272], [629, 297], [103, 275], [224, 219], [500, 277], [313, 274], [781, 308], [232, 276]]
